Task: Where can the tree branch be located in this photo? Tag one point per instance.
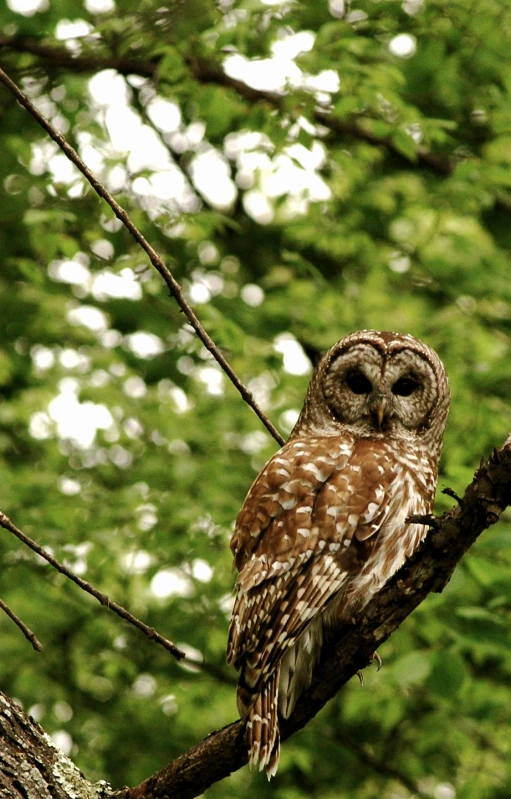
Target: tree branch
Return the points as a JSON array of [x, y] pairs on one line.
[[210, 72], [151, 633], [158, 263], [350, 649], [27, 632], [93, 62]]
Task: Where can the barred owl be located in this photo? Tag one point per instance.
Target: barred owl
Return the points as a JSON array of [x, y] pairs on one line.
[[324, 525]]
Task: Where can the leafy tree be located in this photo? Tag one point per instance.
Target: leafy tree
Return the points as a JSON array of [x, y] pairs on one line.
[[361, 178]]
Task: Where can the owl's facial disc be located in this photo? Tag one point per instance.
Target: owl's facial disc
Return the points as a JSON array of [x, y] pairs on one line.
[[379, 390]]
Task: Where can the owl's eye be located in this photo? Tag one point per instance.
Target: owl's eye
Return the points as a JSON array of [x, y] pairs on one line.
[[358, 383], [404, 386]]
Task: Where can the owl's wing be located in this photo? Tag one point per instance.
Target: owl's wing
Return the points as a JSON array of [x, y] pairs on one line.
[[282, 497], [309, 522]]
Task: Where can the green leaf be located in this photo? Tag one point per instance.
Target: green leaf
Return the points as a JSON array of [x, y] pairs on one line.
[[412, 669], [485, 572], [404, 144], [172, 67]]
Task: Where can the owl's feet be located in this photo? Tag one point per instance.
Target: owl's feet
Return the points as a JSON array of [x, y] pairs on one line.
[[374, 658]]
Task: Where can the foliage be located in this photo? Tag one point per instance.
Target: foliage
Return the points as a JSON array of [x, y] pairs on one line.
[[290, 220]]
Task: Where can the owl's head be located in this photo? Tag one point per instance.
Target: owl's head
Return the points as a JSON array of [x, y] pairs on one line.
[[377, 384]]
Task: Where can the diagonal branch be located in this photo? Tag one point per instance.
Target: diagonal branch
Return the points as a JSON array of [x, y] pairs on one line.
[[207, 71], [151, 633], [350, 649], [158, 263], [27, 632]]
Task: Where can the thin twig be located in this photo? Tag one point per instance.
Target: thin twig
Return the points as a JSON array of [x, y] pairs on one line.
[[174, 287], [7, 524], [27, 632], [449, 492]]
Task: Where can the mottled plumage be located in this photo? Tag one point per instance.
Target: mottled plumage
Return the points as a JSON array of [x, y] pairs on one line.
[[324, 524]]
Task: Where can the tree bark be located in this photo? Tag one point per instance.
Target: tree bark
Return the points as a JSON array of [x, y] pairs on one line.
[[32, 768]]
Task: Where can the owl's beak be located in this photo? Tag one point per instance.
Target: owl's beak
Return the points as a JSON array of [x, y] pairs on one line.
[[380, 412]]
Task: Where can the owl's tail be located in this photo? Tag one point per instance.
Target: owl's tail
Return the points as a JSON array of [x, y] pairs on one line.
[[263, 737]]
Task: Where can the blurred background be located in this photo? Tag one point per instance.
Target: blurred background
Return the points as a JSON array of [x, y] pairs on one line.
[[306, 170]]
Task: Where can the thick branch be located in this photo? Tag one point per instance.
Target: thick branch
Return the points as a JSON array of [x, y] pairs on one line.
[[350, 649], [158, 263]]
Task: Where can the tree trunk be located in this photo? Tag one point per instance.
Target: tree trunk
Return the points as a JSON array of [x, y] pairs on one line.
[[31, 766]]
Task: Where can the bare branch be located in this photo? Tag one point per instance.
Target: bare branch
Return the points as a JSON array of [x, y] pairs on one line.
[[351, 648], [151, 633], [27, 632], [174, 287]]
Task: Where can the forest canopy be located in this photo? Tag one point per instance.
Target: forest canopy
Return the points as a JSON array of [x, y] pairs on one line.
[[304, 169]]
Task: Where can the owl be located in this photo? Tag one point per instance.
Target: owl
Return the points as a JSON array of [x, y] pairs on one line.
[[324, 525]]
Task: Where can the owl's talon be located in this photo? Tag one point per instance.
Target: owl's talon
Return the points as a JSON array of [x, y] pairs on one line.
[[379, 662]]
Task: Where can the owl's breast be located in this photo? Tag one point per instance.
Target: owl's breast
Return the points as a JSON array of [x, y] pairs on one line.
[[394, 542]]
